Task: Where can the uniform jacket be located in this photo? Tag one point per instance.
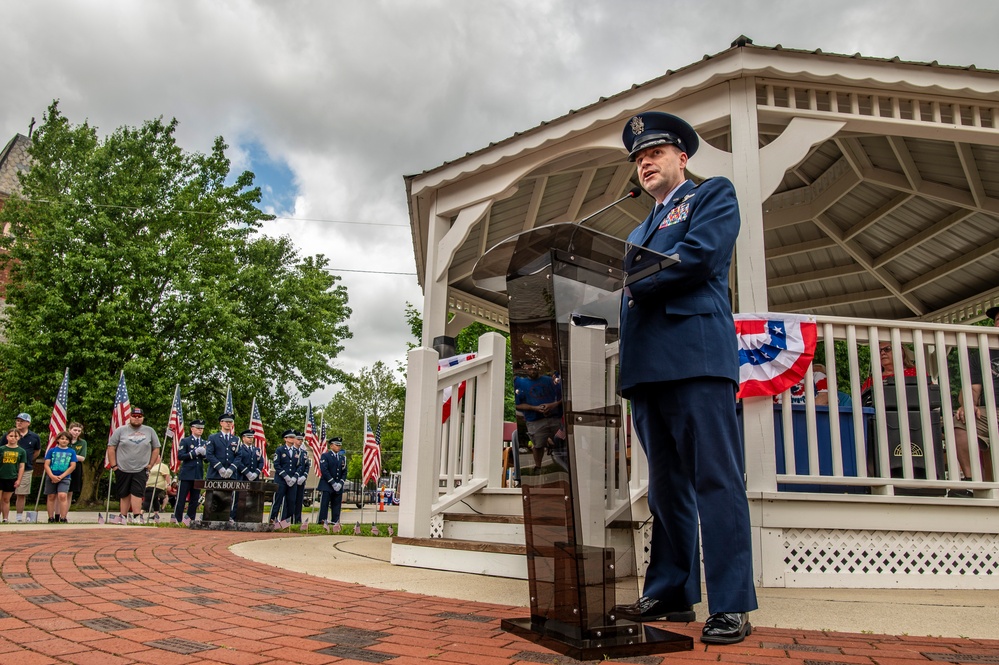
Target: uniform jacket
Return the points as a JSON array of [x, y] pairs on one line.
[[192, 465], [248, 459], [677, 323], [302, 461], [283, 462], [221, 454], [332, 469]]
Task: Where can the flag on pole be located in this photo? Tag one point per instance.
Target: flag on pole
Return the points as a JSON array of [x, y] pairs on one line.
[[446, 363], [175, 429], [119, 413], [322, 429], [311, 439], [57, 423], [259, 440], [228, 402], [371, 466], [774, 351]]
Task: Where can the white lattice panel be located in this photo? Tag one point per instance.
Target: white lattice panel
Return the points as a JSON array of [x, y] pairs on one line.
[[883, 559]]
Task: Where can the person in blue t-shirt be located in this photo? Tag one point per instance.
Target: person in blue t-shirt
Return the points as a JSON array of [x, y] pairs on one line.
[[539, 398], [60, 462]]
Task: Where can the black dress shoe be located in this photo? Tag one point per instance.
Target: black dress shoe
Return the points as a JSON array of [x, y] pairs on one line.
[[726, 628], [652, 609]]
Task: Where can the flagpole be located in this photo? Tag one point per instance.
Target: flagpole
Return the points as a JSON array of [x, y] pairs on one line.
[[38, 495], [107, 508]]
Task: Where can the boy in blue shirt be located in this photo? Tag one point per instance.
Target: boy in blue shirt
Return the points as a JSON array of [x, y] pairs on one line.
[[60, 462]]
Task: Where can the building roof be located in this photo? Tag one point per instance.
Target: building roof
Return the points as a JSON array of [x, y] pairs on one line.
[[14, 158], [895, 216]]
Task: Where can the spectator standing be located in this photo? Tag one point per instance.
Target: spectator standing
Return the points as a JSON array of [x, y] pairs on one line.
[[12, 463], [31, 444], [80, 446], [60, 461], [539, 398], [158, 484], [980, 419], [133, 450]]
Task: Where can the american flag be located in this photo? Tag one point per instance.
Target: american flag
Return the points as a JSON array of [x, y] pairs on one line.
[[57, 423], [175, 425], [228, 402], [259, 440], [322, 429], [119, 413], [312, 440], [447, 363], [371, 467]]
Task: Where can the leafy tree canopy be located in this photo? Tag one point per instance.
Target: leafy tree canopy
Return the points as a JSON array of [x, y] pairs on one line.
[[376, 392], [128, 253]]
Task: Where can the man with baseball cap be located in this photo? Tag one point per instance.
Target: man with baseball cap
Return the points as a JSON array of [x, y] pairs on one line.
[[680, 369], [133, 450], [981, 418], [31, 444]]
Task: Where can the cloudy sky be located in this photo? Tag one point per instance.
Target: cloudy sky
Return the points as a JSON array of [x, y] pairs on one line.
[[331, 103]]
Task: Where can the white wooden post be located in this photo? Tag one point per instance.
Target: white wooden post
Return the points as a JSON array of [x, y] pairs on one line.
[[489, 411], [419, 463]]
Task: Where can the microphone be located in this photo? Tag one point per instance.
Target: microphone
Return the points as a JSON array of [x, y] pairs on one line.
[[634, 193]]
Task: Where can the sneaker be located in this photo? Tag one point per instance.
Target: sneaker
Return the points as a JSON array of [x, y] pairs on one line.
[[4, 520], [20, 517]]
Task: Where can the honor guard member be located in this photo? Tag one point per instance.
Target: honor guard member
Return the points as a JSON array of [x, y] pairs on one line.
[[284, 477], [680, 369], [221, 450], [332, 473], [191, 453], [249, 464], [303, 468]]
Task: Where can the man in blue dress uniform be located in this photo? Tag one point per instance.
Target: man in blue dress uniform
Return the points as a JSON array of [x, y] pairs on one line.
[[191, 452], [221, 450], [303, 467], [284, 476], [680, 369], [332, 473]]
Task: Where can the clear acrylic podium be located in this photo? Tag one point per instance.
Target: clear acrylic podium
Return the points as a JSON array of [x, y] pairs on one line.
[[564, 284]]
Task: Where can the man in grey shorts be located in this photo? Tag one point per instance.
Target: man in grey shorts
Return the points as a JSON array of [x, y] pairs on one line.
[[133, 449]]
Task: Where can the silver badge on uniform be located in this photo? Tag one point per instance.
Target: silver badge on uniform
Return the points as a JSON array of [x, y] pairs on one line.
[[637, 125]]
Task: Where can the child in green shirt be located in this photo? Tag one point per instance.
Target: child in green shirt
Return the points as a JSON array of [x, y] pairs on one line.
[[12, 462]]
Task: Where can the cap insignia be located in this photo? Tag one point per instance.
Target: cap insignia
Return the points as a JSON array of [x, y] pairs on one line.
[[637, 125]]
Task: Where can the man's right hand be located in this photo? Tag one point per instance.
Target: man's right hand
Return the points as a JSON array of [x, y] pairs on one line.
[[289, 480]]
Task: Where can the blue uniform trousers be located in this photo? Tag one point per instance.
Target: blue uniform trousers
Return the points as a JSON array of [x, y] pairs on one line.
[[280, 499], [291, 503], [332, 502], [186, 494], [691, 437]]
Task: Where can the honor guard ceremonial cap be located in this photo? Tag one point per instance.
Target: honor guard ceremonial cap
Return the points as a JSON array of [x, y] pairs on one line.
[[288, 434], [653, 128], [991, 312], [246, 432], [299, 435], [226, 416], [197, 423], [336, 441]]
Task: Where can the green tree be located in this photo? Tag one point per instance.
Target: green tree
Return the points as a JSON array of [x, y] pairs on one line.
[[377, 392], [128, 253]]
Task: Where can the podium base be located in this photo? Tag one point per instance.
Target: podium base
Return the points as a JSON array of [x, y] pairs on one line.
[[645, 640]]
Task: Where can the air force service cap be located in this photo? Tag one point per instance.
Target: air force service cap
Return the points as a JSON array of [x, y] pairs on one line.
[[288, 434], [653, 128], [246, 432], [335, 441]]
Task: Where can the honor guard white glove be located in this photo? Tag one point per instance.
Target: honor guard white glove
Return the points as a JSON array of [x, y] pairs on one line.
[[200, 450], [290, 480], [226, 473], [301, 480], [251, 476], [337, 487]]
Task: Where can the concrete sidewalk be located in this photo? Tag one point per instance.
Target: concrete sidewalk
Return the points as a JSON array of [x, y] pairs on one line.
[[888, 611]]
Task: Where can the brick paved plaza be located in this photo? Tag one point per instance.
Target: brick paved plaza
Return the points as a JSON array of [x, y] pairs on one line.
[[115, 595]]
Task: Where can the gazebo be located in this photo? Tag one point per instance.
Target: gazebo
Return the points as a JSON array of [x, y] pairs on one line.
[[869, 192]]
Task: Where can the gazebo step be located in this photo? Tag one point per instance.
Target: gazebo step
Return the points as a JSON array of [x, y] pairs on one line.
[[499, 529], [463, 556]]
